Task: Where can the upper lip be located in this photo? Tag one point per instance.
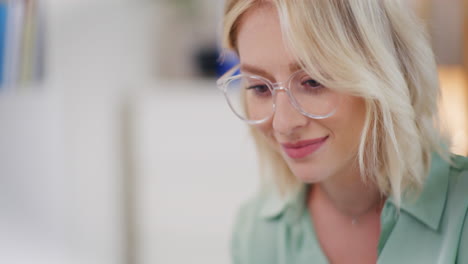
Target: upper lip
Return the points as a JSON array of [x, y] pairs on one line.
[[303, 143]]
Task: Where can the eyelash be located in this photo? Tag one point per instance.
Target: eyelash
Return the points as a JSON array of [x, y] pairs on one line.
[[254, 87], [309, 80]]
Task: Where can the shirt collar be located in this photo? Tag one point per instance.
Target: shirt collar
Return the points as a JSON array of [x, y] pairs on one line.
[[427, 208], [291, 206]]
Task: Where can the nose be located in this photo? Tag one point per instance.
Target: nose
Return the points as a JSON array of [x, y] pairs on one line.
[[287, 119]]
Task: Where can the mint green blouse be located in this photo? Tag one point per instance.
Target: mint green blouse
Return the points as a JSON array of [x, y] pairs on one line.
[[430, 229]]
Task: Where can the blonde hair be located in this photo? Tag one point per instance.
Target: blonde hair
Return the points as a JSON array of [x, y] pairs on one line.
[[373, 49]]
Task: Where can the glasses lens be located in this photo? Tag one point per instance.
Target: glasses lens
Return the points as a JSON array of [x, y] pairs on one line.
[[312, 97], [250, 98]]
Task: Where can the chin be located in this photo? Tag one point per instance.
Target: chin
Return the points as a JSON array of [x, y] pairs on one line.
[[308, 173]]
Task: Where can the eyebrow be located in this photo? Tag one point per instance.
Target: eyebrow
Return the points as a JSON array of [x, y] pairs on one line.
[[293, 67], [255, 70]]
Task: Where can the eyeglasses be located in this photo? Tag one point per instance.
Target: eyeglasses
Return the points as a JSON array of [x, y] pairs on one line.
[[252, 98]]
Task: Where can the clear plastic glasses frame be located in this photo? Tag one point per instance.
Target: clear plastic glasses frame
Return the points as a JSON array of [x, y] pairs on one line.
[[224, 81]]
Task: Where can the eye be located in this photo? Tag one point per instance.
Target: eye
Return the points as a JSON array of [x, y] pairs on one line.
[[307, 85], [260, 89], [311, 83]]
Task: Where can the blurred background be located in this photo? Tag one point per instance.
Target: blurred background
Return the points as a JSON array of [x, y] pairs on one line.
[[115, 145]]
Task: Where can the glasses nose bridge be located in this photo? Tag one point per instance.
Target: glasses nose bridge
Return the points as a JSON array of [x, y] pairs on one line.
[[279, 86]]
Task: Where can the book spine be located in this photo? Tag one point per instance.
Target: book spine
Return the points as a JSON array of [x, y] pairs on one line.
[[28, 39], [13, 45], [3, 27]]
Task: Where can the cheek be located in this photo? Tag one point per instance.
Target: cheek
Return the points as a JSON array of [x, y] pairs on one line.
[[265, 131], [348, 123]]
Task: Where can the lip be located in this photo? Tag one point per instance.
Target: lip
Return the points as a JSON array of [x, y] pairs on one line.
[[302, 149]]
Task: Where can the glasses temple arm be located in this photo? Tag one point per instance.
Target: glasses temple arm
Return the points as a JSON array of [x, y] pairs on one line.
[[228, 73]]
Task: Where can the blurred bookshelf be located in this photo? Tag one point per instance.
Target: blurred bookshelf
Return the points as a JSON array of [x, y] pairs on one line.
[[21, 45], [32, 153], [63, 79]]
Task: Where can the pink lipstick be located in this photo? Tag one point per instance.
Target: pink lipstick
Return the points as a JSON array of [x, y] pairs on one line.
[[303, 148]]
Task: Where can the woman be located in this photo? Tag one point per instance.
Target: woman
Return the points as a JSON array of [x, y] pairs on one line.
[[341, 96]]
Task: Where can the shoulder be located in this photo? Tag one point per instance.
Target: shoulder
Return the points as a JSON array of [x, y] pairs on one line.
[[254, 234], [459, 196], [462, 252]]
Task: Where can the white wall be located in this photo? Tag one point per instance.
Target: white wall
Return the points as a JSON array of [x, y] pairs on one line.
[[32, 182], [98, 52], [194, 165]]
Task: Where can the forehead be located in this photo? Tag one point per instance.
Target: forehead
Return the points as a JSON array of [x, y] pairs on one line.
[[260, 40]]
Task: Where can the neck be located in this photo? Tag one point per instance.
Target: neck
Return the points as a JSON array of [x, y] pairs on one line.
[[348, 194]]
